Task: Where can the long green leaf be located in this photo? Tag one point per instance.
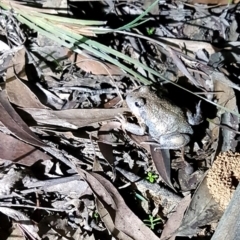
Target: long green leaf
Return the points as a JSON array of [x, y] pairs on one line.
[[129, 25]]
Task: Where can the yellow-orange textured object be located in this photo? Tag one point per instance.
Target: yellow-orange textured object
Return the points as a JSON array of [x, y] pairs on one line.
[[223, 177]]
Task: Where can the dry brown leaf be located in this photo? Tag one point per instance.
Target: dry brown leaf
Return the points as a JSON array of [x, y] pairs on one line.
[[17, 65], [175, 219], [20, 95], [190, 46], [17, 151], [113, 102], [16, 233], [217, 2], [162, 162], [120, 219], [225, 95], [18, 92], [181, 66], [24, 222], [106, 140], [202, 210], [72, 118], [12, 121], [94, 66], [109, 223], [76, 28], [22, 6]]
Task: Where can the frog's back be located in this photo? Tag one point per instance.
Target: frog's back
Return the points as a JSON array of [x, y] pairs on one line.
[[162, 117]]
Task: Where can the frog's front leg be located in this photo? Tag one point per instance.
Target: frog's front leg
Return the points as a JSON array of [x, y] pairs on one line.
[[195, 119], [173, 141], [131, 127]]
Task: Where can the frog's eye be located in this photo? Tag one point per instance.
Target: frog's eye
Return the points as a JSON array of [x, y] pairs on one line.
[[140, 102]]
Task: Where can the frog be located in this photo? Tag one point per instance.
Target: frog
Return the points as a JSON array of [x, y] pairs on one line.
[[168, 125]]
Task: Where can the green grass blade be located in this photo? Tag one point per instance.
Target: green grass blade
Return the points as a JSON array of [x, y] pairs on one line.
[[129, 25]]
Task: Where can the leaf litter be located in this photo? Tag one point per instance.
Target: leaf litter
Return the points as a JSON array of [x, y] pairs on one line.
[[68, 168]]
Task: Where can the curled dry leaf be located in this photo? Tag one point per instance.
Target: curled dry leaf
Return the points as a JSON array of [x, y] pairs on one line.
[[162, 162], [11, 120], [118, 218], [17, 151]]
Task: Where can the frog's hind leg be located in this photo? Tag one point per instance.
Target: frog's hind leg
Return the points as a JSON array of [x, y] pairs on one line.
[[173, 141], [170, 141]]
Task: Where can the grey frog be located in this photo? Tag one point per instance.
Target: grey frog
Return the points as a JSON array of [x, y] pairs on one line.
[[166, 122]]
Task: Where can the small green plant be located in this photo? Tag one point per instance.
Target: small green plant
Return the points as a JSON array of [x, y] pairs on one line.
[[150, 31], [151, 177], [152, 222], [96, 215], [140, 197]]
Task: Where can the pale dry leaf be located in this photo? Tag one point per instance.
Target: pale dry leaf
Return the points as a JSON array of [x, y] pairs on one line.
[[123, 218], [215, 2], [202, 210], [109, 223], [175, 219], [225, 95], [76, 28], [30, 10], [24, 222], [191, 46], [17, 66], [72, 118], [16, 233], [20, 95], [9, 180]]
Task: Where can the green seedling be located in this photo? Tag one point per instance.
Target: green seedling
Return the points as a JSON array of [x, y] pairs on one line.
[[151, 177], [152, 222], [150, 31], [96, 215], [140, 197]]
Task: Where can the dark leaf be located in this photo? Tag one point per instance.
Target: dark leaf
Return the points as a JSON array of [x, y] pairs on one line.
[[162, 162], [106, 140], [15, 124], [17, 151]]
